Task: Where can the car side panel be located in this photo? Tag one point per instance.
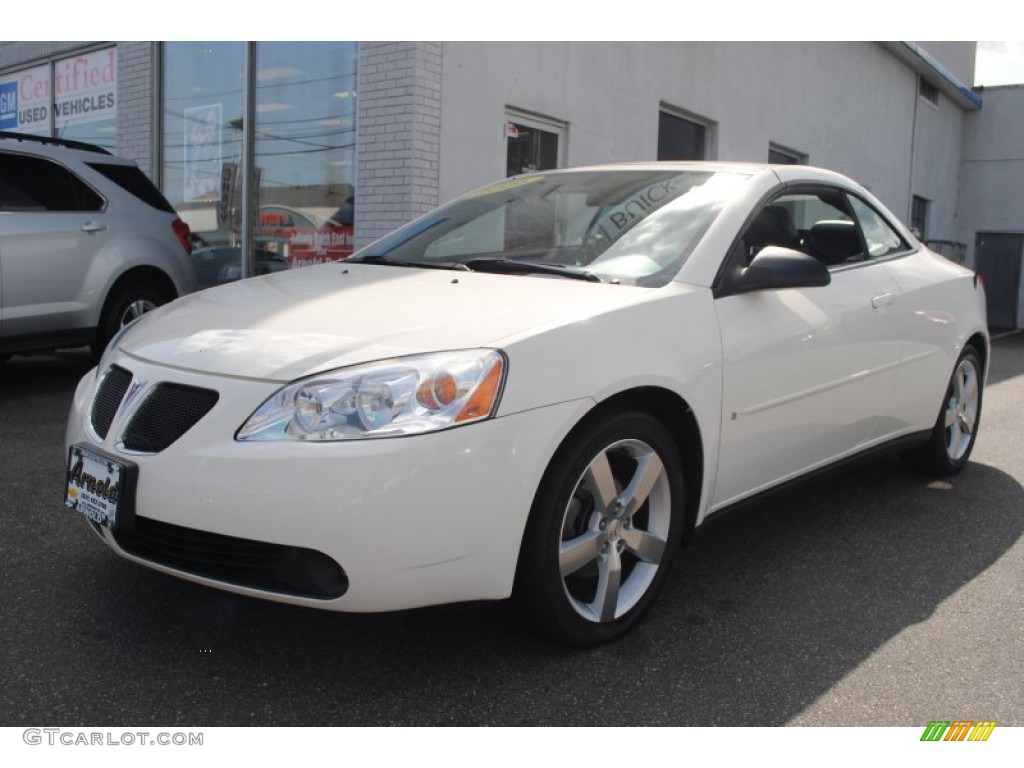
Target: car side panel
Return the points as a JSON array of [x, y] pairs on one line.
[[668, 339], [806, 374], [46, 258], [944, 308], [57, 277]]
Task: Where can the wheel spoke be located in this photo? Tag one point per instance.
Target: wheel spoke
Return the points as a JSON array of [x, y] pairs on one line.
[[599, 479], [953, 442], [644, 545], [966, 424], [649, 469], [576, 553], [606, 601], [950, 416], [970, 385]]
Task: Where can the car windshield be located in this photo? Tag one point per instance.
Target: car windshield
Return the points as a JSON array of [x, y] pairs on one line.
[[634, 227]]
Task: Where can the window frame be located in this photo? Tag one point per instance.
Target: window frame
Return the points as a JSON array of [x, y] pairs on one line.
[[733, 262], [538, 122], [710, 142]]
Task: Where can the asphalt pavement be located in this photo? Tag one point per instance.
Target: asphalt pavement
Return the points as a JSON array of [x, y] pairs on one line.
[[874, 597]]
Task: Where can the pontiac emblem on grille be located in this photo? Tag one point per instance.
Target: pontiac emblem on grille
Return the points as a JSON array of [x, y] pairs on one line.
[[132, 392]]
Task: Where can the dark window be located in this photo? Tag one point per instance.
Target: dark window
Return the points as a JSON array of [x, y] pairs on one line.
[[779, 156], [927, 90], [530, 149], [35, 184], [134, 181], [919, 216], [680, 139]]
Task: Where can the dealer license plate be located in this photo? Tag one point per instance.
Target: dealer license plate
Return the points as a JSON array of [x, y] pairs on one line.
[[95, 485]]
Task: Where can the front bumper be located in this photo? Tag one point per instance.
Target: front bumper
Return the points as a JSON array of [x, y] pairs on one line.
[[412, 521]]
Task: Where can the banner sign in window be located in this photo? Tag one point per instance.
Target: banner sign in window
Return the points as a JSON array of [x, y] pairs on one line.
[[25, 101], [203, 153], [86, 88]]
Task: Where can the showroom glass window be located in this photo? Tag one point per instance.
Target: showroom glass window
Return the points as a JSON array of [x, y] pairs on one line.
[[203, 86], [305, 153], [73, 97], [303, 173]]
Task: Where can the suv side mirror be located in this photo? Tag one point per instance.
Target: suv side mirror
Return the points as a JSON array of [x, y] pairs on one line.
[[775, 268]]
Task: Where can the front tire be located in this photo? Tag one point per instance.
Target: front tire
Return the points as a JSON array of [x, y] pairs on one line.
[[603, 532], [956, 429]]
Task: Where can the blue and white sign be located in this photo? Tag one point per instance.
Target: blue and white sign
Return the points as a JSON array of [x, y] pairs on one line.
[[8, 105]]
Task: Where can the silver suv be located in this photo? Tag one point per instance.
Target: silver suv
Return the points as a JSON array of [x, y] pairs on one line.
[[87, 243]]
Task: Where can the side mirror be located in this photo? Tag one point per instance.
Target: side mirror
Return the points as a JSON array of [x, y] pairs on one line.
[[775, 267]]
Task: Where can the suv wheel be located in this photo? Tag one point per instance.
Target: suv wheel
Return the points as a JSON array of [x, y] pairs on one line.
[[127, 304]]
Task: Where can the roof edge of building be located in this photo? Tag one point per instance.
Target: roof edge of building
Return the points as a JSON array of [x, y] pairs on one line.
[[926, 65]]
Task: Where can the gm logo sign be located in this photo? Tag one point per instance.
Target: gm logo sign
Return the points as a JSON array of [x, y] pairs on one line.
[[9, 105]]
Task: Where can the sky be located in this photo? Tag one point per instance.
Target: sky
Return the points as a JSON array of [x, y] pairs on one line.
[[999, 63]]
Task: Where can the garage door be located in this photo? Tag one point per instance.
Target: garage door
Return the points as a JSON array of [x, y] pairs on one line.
[[998, 256]]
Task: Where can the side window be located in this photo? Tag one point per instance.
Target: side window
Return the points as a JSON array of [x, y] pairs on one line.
[[34, 184], [818, 223], [880, 238], [134, 181]]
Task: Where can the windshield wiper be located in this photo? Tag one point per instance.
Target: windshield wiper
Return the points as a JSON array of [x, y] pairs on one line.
[[513, 267], [375, 258]]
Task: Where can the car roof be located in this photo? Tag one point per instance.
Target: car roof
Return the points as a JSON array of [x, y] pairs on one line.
[[46, 146], [786, 173]]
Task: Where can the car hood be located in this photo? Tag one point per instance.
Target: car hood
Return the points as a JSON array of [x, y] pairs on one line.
[[291, 324]]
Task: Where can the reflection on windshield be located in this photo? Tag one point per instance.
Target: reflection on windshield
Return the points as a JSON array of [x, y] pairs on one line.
[[633, 227]]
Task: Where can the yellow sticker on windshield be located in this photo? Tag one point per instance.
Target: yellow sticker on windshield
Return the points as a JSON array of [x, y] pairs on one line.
[[505, 186]]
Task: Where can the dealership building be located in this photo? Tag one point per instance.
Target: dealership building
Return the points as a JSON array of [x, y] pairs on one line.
[[306, 150]]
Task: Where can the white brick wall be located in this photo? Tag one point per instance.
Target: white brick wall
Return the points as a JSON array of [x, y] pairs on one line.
[[136, 89], [17, 54], [398, 134]]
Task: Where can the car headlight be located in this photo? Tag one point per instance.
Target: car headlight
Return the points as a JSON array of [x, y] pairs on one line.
[[388, 398]]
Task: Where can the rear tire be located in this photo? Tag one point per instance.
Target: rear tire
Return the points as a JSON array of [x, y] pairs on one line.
[[956, 429], [604, 530]]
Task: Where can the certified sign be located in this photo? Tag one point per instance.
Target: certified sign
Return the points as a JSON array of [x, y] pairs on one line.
[[85, 88]]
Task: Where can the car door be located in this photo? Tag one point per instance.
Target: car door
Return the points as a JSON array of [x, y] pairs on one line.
[[805, 370], [51, 227]]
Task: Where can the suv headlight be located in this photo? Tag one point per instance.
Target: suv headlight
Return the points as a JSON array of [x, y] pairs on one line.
[[388, 398]]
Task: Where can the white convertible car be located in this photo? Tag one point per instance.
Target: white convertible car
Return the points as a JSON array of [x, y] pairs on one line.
[[536, 391]]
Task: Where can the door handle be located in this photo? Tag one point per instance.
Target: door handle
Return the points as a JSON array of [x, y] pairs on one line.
[[92, 226], [882, 299]]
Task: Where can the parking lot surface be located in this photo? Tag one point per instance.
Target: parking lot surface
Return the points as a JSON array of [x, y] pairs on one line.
[[873, 597]]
